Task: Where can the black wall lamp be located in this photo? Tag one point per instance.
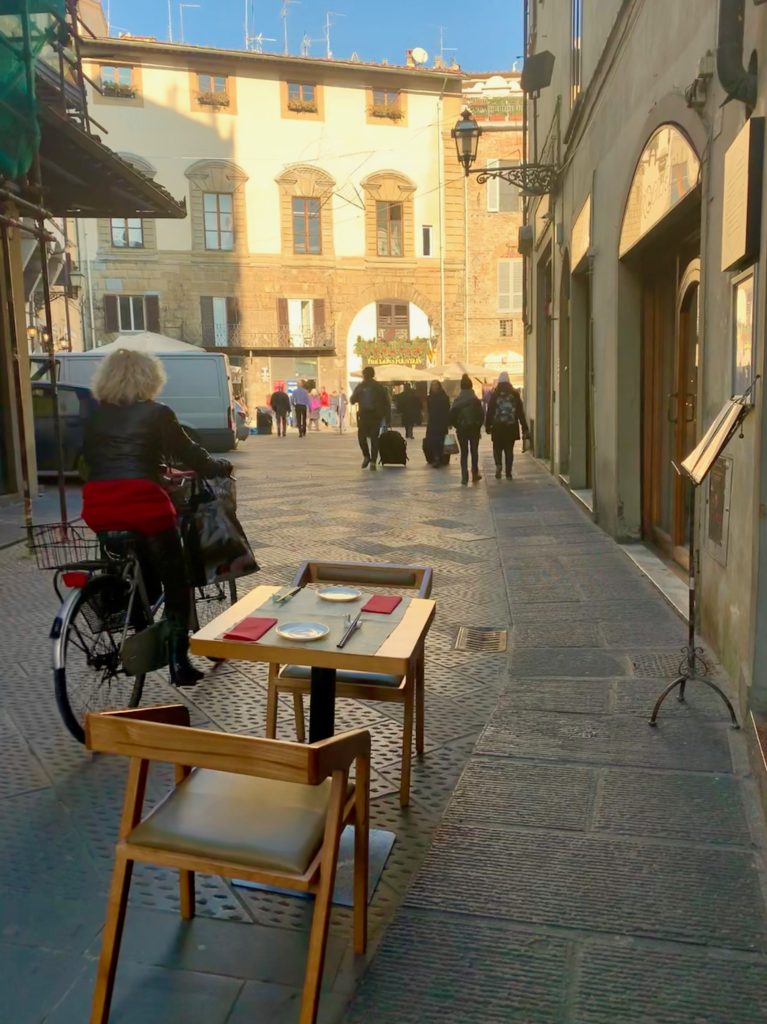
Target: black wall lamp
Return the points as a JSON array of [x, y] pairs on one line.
[[530, 179]]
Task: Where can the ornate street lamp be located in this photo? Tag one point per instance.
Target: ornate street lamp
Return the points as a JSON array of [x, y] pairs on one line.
[[466, 134], [530, 179]]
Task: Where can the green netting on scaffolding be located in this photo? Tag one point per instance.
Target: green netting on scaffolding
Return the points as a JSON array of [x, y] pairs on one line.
[[28, 30]]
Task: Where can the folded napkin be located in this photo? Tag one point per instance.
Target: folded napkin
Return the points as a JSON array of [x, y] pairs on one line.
[[381, 604], [252, 628]]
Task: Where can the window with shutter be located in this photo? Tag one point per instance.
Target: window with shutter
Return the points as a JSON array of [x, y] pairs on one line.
[[111, 322], [233, 320], [283, 325], [206, 319], [504, 286], [320, 333], [508, 194], [392, 321], [517, 285], [152, 313]]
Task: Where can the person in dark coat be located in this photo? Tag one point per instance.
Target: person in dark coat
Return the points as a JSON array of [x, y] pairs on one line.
[[438, 408], [373, 409], [409, 408], [128, 440], [467, 416], [505, 416], [280, 403]]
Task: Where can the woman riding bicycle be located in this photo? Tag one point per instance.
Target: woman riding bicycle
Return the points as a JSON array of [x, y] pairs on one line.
[[128, 440]]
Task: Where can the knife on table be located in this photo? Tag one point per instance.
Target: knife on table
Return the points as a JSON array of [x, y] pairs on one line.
[[284, 595]]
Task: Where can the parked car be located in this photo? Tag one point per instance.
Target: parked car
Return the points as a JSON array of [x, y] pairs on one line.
[[75, 406], [198, 390]]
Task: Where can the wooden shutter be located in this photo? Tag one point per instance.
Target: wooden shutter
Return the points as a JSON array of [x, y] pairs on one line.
[[283, 323], [508, 195], [111, 320], [233, 320], [504, 286], [517, 285], [493, 190], [318, 317], [206, 319], [152, 313]]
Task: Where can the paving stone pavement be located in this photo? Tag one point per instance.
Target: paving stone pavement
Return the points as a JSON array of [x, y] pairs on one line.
[[587, 869], [243, 957]]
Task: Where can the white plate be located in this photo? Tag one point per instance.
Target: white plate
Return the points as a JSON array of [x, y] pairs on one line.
[[303, 631], [339, 594]]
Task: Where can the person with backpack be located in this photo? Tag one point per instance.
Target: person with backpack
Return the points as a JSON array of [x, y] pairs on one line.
[[505, 414], [372, 401], [467, 416]]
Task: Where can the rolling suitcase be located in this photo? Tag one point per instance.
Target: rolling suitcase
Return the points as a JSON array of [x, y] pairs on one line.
[[392, 448]]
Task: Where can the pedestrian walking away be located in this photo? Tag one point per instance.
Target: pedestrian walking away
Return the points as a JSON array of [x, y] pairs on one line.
[[314, 409], [324, 408], [280, 404], [409, 408], [301, 400], [467, 416], [343, 402], [372, 401], [505, 416], [438, 424], [128, 439]]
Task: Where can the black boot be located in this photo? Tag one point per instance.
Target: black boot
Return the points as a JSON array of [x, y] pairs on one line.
[[182, 671]]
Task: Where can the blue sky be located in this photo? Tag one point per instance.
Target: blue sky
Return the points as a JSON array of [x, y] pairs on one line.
[[486, 35]]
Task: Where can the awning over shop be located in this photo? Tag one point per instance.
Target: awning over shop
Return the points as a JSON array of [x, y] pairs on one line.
[[83, 178]]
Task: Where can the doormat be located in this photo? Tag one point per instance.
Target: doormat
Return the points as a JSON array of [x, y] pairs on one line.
[[381, 842]]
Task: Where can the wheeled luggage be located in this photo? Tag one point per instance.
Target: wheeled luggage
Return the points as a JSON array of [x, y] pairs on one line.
[[392, 448]]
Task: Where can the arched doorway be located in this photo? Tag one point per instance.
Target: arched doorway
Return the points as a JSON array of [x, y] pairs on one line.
[[660, 242], [389, 320]]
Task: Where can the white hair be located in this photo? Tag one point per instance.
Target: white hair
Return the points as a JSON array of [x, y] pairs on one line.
[[126, 377]]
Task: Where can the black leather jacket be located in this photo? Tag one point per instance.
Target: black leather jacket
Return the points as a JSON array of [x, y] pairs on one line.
[[131, 442]]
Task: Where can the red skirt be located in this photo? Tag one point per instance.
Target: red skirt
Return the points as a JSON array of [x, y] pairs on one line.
[[139, 505]]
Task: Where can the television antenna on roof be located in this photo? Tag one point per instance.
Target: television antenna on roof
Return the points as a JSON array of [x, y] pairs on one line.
[[254, 43], [329, 15], [442, 48], [181, 8], [285, 11]]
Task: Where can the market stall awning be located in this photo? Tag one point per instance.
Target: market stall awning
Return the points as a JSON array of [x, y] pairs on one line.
[[83, 178]]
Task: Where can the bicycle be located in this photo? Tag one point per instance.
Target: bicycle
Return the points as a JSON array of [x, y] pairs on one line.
[[106, 606]]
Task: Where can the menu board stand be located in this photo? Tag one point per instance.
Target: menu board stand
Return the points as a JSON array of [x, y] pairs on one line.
[[695, 469]]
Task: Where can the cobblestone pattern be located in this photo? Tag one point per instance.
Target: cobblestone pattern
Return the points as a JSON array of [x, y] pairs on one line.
[[61, 806], [588, 869]]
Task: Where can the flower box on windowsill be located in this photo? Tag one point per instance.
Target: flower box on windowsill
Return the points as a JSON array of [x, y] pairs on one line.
[[212, 99], [392, 113], [124, 92], [302, 106]]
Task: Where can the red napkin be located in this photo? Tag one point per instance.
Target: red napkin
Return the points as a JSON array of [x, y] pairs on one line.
[[381, 604], [252, 628]]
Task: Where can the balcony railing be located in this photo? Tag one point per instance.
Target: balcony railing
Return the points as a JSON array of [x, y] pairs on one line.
[[233, 336]]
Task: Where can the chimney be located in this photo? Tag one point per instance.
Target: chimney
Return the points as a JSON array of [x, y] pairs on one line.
[[438, 62], [409, 59]]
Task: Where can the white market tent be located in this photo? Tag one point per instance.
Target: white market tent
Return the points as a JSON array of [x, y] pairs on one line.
[[147, 341]]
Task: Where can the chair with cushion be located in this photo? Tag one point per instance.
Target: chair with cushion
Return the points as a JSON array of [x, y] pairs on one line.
[[257, 809], [407, 690]]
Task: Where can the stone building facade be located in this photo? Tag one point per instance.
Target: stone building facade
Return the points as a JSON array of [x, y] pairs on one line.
[[642, 322], [325, 206]]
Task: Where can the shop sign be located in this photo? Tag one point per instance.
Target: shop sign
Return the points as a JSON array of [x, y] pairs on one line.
[[742, 202]]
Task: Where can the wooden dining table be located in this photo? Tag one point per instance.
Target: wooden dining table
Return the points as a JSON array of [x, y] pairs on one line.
[[379, 645]]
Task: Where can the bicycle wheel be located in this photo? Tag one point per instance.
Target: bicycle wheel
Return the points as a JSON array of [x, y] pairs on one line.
[[210, 601], [88, 673]]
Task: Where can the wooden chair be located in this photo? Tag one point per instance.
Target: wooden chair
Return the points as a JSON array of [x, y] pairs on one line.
[[407, 690], [242, 807]]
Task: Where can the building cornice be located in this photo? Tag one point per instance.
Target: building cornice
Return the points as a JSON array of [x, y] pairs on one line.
[[129, 50]]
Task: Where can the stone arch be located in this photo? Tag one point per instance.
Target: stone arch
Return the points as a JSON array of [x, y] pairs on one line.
[[221, 176], [304, 181], [389, 187]]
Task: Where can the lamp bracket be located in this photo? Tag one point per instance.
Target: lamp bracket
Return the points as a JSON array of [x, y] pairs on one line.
[[530, 179]]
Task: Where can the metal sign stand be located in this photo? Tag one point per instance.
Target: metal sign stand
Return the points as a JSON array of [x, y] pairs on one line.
[[696, 468]]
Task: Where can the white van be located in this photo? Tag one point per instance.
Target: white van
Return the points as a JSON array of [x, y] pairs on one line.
[[198, 390]]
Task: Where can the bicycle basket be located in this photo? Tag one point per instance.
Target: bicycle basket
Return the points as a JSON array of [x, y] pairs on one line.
[[59, 544]]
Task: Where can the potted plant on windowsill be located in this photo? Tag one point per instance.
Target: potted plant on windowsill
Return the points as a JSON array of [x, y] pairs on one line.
[[303, 106], [392, 113], [125, 92], [212, 99]]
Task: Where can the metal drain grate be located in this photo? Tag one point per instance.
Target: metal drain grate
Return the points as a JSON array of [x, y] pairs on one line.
[[481, 639]]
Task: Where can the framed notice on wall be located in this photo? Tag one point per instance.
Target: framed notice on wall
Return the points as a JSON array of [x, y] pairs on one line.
[[742, 202], [743, 340]]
